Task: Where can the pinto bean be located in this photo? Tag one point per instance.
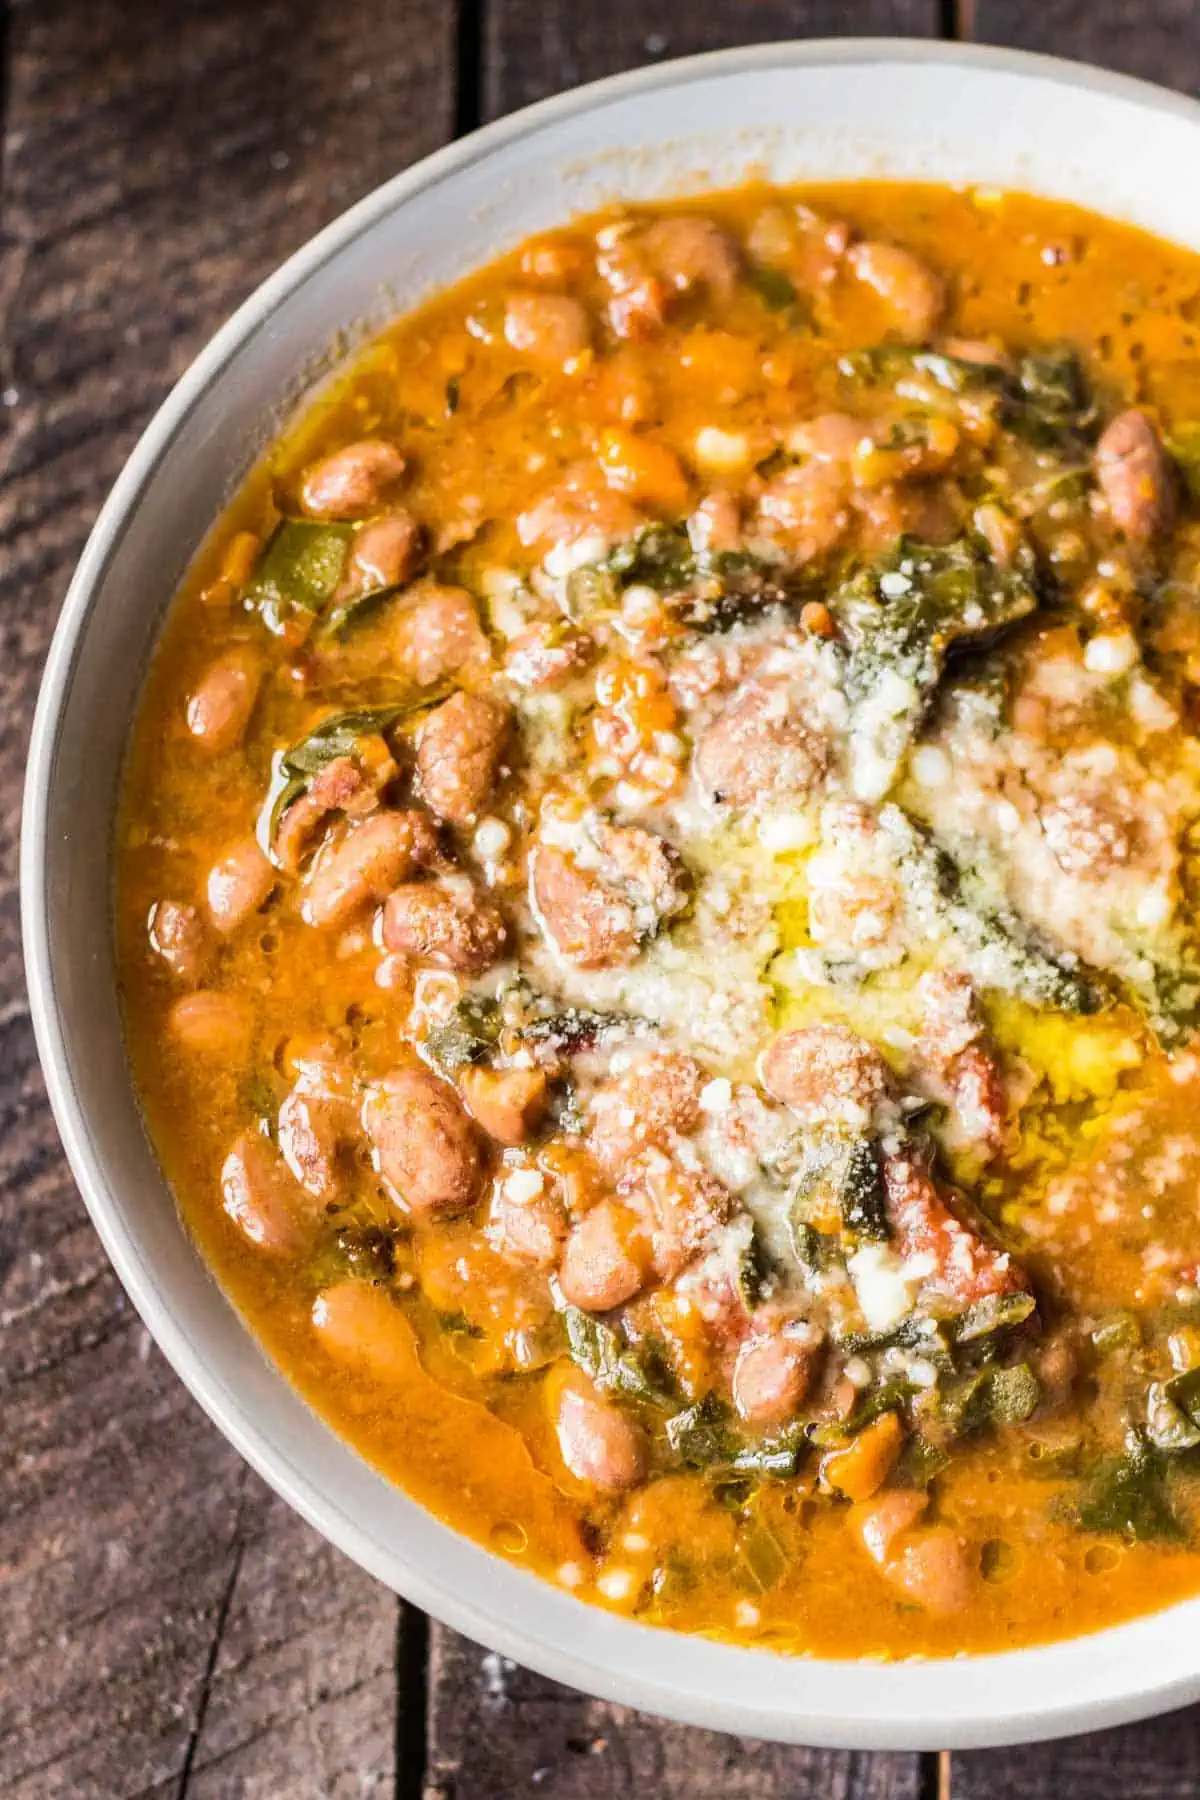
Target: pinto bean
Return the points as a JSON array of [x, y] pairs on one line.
[[261, 1198], [361, 1327], [217, 1025], [939, 1571], [956, 1062], [349, 785], [677, 1207], [364, 866], [887, 1517], [316, 1132], [527, 1232], [774, 1372], [599, 917], [598, 1443], [652, 1103], [385, 554], [826, 1072], [552, 329], [758, 748], [913, 294], [178, 935], [438, 633], [351, 482], [437, 924], [963, 1267], [239, 884], [458, 756], [548, 656], [1134, 475], [828, 438], [219, 707], [507, 1103], [582, 505], [688, 252], [716, 523], [605, 1261], [424, 1142], [808, 508]]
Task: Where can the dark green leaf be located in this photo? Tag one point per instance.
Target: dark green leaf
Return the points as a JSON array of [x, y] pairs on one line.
[[861, 1191], [756, 1270], [457, 1324], [601, 1351], [293, 769], [701, 1437], [773, 287], [901, 619], [468, 1036], [762, 1557], [996, 1312], [1013, 1394], [300, 566], [1130, 1496], [1184, 1392], [1173, 1413], [898, 366], [921, 1461], [1117, 1334], [338, 736], [1051, 405], [258, 1093], [1184, 446], [368, 1251], [453, 396], [939, 888], [779, 1454], [845, 1174]]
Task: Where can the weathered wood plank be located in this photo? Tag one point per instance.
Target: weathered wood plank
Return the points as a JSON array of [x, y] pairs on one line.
[[1159, 1760], [537, 47], [493, 1728], [1159, 41], [497, 1729], [168, 1625]]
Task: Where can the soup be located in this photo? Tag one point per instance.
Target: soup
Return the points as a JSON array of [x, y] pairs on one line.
[[655, 910]]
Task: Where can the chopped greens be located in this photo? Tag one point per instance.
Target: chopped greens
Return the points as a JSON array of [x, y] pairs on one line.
[[1173, 1413], [773, 287], [1001, 951], [293, 770], [602, 1353], [1184, 446], [996, 1312], [1046, 400], [468, 1036], [901, 619], [298, 571], [841, 1175], [703, 1437], [1129, 1495], [717, 588]]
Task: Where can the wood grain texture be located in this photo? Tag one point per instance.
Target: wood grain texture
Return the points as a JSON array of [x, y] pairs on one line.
[[494, 1729], [536, 47], [168, 1626], [499, 1730], [1158, 41]]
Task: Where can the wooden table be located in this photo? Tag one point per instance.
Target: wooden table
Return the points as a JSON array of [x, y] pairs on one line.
[[167, 1626]]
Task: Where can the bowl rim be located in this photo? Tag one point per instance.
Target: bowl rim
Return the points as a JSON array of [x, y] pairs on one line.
[[1054, 1708]]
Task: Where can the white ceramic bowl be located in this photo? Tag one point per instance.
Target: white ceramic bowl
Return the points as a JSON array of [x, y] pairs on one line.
[[820, 110]]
